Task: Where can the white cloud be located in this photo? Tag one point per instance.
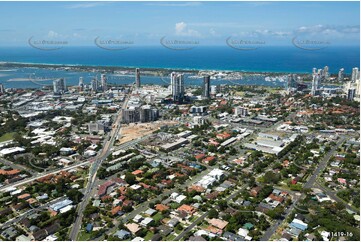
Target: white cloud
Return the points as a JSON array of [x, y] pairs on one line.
[[212, 32], [52, 34], [259, 3], [328, 30], [181, 29], [87, 5], [174, 4], [267, 32], [216, 24]]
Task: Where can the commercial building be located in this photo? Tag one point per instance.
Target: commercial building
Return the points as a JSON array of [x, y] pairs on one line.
[[352, 90], [351, 93], [148, 114], [198, 120], [130, 115], [97, 127], [241, 111], [142, 114], [214, 89], [174, 145], [59, 205], [198, 110], [59, 86], [9, 151]]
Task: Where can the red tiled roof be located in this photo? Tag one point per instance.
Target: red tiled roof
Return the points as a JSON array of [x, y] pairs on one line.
[[161, 207], [115, 210], [9, 173], [199, 156], [137, 172], [187, 208]]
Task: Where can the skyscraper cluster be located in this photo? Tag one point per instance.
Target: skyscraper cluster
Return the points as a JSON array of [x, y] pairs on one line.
[[318, 76], [324, 74], [177, 85], [97, 85], [352, 87], [142, 114]]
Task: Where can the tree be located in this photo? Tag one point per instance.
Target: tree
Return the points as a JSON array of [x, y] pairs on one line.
[[74, 195], [232, 151], [276, 213], [271, 177], [213, 213], [179, 227], [222, 204], [130, 178]]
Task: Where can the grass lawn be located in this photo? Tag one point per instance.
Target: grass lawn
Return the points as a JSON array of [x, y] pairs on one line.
[[194, 218], [178, 231], [158, 217], [240, 93], [171, 237], [148, 236], [174, 205], [83, 236], [7, 136]]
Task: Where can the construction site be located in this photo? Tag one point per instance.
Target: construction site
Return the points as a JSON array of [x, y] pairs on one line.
[[133, 131]]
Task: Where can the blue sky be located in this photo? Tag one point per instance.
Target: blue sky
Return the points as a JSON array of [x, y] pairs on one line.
[[211, 23]]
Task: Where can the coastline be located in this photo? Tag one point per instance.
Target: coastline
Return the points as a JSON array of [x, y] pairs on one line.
[[131, 68]]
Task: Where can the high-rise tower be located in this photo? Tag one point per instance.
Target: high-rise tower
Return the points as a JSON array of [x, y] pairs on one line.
[[177, 83], [206, 87], [137, 78]]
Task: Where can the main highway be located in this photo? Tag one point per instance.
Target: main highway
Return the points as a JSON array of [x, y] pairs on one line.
[[91, 185], [44, 174]]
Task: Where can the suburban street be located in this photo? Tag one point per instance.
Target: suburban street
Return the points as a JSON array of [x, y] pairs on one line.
[[17, 166], [31, 211], [203, 216], [309, 184]]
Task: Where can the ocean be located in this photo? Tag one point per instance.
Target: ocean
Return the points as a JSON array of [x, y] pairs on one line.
[[282, 59]]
